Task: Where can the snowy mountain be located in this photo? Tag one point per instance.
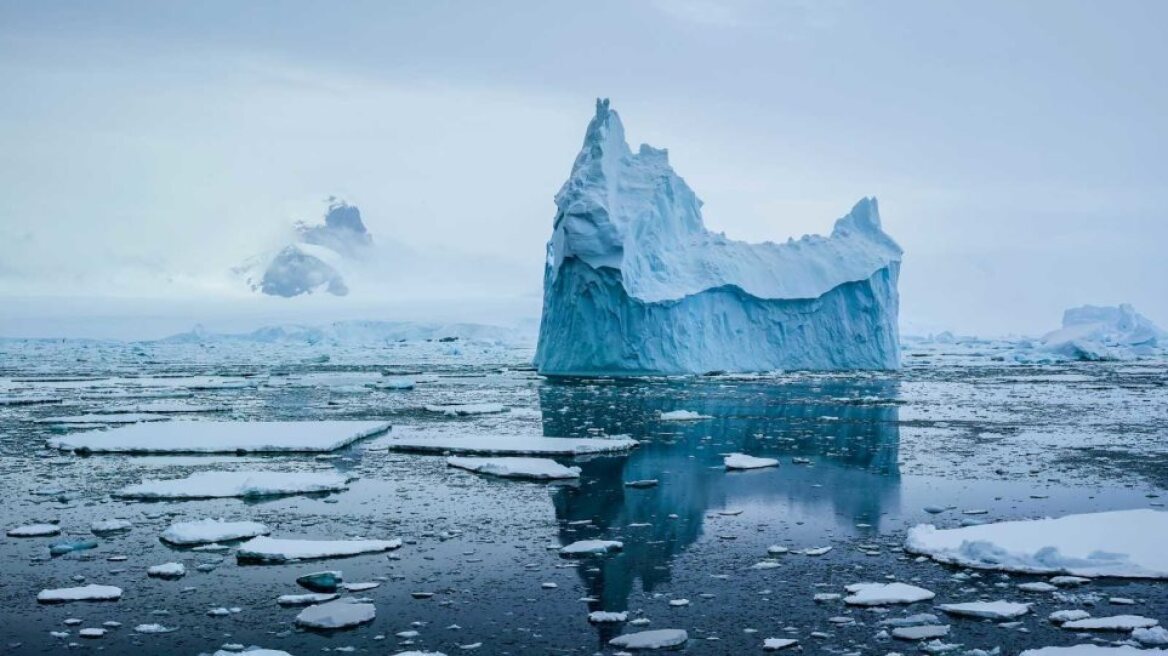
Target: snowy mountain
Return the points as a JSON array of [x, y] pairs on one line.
[[634, 283], [316, 261]]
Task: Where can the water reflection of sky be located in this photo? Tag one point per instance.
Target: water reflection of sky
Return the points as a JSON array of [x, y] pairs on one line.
[[847, 429]]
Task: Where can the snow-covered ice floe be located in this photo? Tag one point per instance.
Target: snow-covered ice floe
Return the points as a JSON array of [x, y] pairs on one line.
[[655, 639], [994, 610], [1088, 649], [339, 614], [882, 594], [1125, 543], [1111, 623], [467, 409], [503, 445], [635, 284], [107, 418], [89, 592], [252, 651], [34, 531], [743, 461], [591, 548], [207, 531], [272, 550], [683, 415], [223, 437], [528, 468], [223, 484]]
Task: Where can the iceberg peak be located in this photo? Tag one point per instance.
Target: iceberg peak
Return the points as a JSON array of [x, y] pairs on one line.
[[629, 230]]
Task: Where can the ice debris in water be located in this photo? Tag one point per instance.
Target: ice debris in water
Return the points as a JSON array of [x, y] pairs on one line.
[[682, 415], [527, 468], [603, 617], [1125, 543], [1112, 623], [591, 547], [223, 437], [654, 639], [69, 546], [1154, 636], [326, 581], [167, 571], [635, 284], [339, 614], [205, 531], [775, 644], [89, 592], [881, 594], [271, 550], [223, 484], [108, 526], [306, 599], [34, 531], [743, 461], [467, 409], [995, 610], [421, 441]]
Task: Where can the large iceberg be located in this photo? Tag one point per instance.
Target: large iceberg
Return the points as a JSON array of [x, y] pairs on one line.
[[635, 284]]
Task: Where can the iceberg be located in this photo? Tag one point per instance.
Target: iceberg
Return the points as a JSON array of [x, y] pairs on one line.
[[635, 284], [1093, 332]]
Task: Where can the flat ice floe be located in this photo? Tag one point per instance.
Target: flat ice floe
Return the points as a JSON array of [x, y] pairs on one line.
[[89, 592], [1089, 650], [306, 599], [591, 547], [994, 610], [527, 468], [34, 531], [272, 550], [467, 409], [223, 484], [1112, 623], [206, 531], [504, 445], [109, 418], [1125, 543], [743, 461], [655, 639], [252, 651], [223, 437], [881, 594], [682, 415], [171, 407], [339, 614]]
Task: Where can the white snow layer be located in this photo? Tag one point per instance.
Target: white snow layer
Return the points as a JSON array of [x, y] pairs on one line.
[[1126, 543], [206, 531], [530, 468], [272, 550], [635, 283], [223, 437], [222, 484]]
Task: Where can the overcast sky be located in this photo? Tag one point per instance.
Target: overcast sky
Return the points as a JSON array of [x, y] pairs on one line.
[[1019, 150]]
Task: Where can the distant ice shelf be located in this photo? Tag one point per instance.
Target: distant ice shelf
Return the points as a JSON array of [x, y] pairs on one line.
[[635, 284]]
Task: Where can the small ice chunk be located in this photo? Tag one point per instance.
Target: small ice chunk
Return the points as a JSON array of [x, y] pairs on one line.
[[339, 614], [743, 461], [205, 531], [85, 593], [922, 632], [417, 441], [92, 633], [1086, 649], [881, 594], [994, 610], [525, 468], [167, 571], [1036, 586], [467, 409], [69, 546], [153, 628], [815, 551], [1069, 581], [683, 415], [1060, 616], [306, 599], [1153, 636], [250, 651], [654, 639], [270, 550], [108, 526], [605, 617], [223, 437], [775, 644], [34, 531], [591, 547], [326, 581]]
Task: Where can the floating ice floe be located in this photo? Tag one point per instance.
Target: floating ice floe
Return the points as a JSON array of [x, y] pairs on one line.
[[307, 599], [153, 629], [89, 592], [1154, 636], [252, 651], [1060, 616], [1126, 543], [921, 632], [107, 526], [29, 400], [339, 614], [69, 546], [110, 418], [528, 468], [591, 547], [223, 437], [395, 384], [171, 407], [223, 484], [167, 571], [1087, 649], [682, 415], [1036, 586], [505, 445], [655, 639], [272, 550], [206, 531], [92, 633], [775, 644], [34, 531], [1112, 623], [743, 461], [605, 617], [881, 594], [994, 610], [467, 409], [327, 581]]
